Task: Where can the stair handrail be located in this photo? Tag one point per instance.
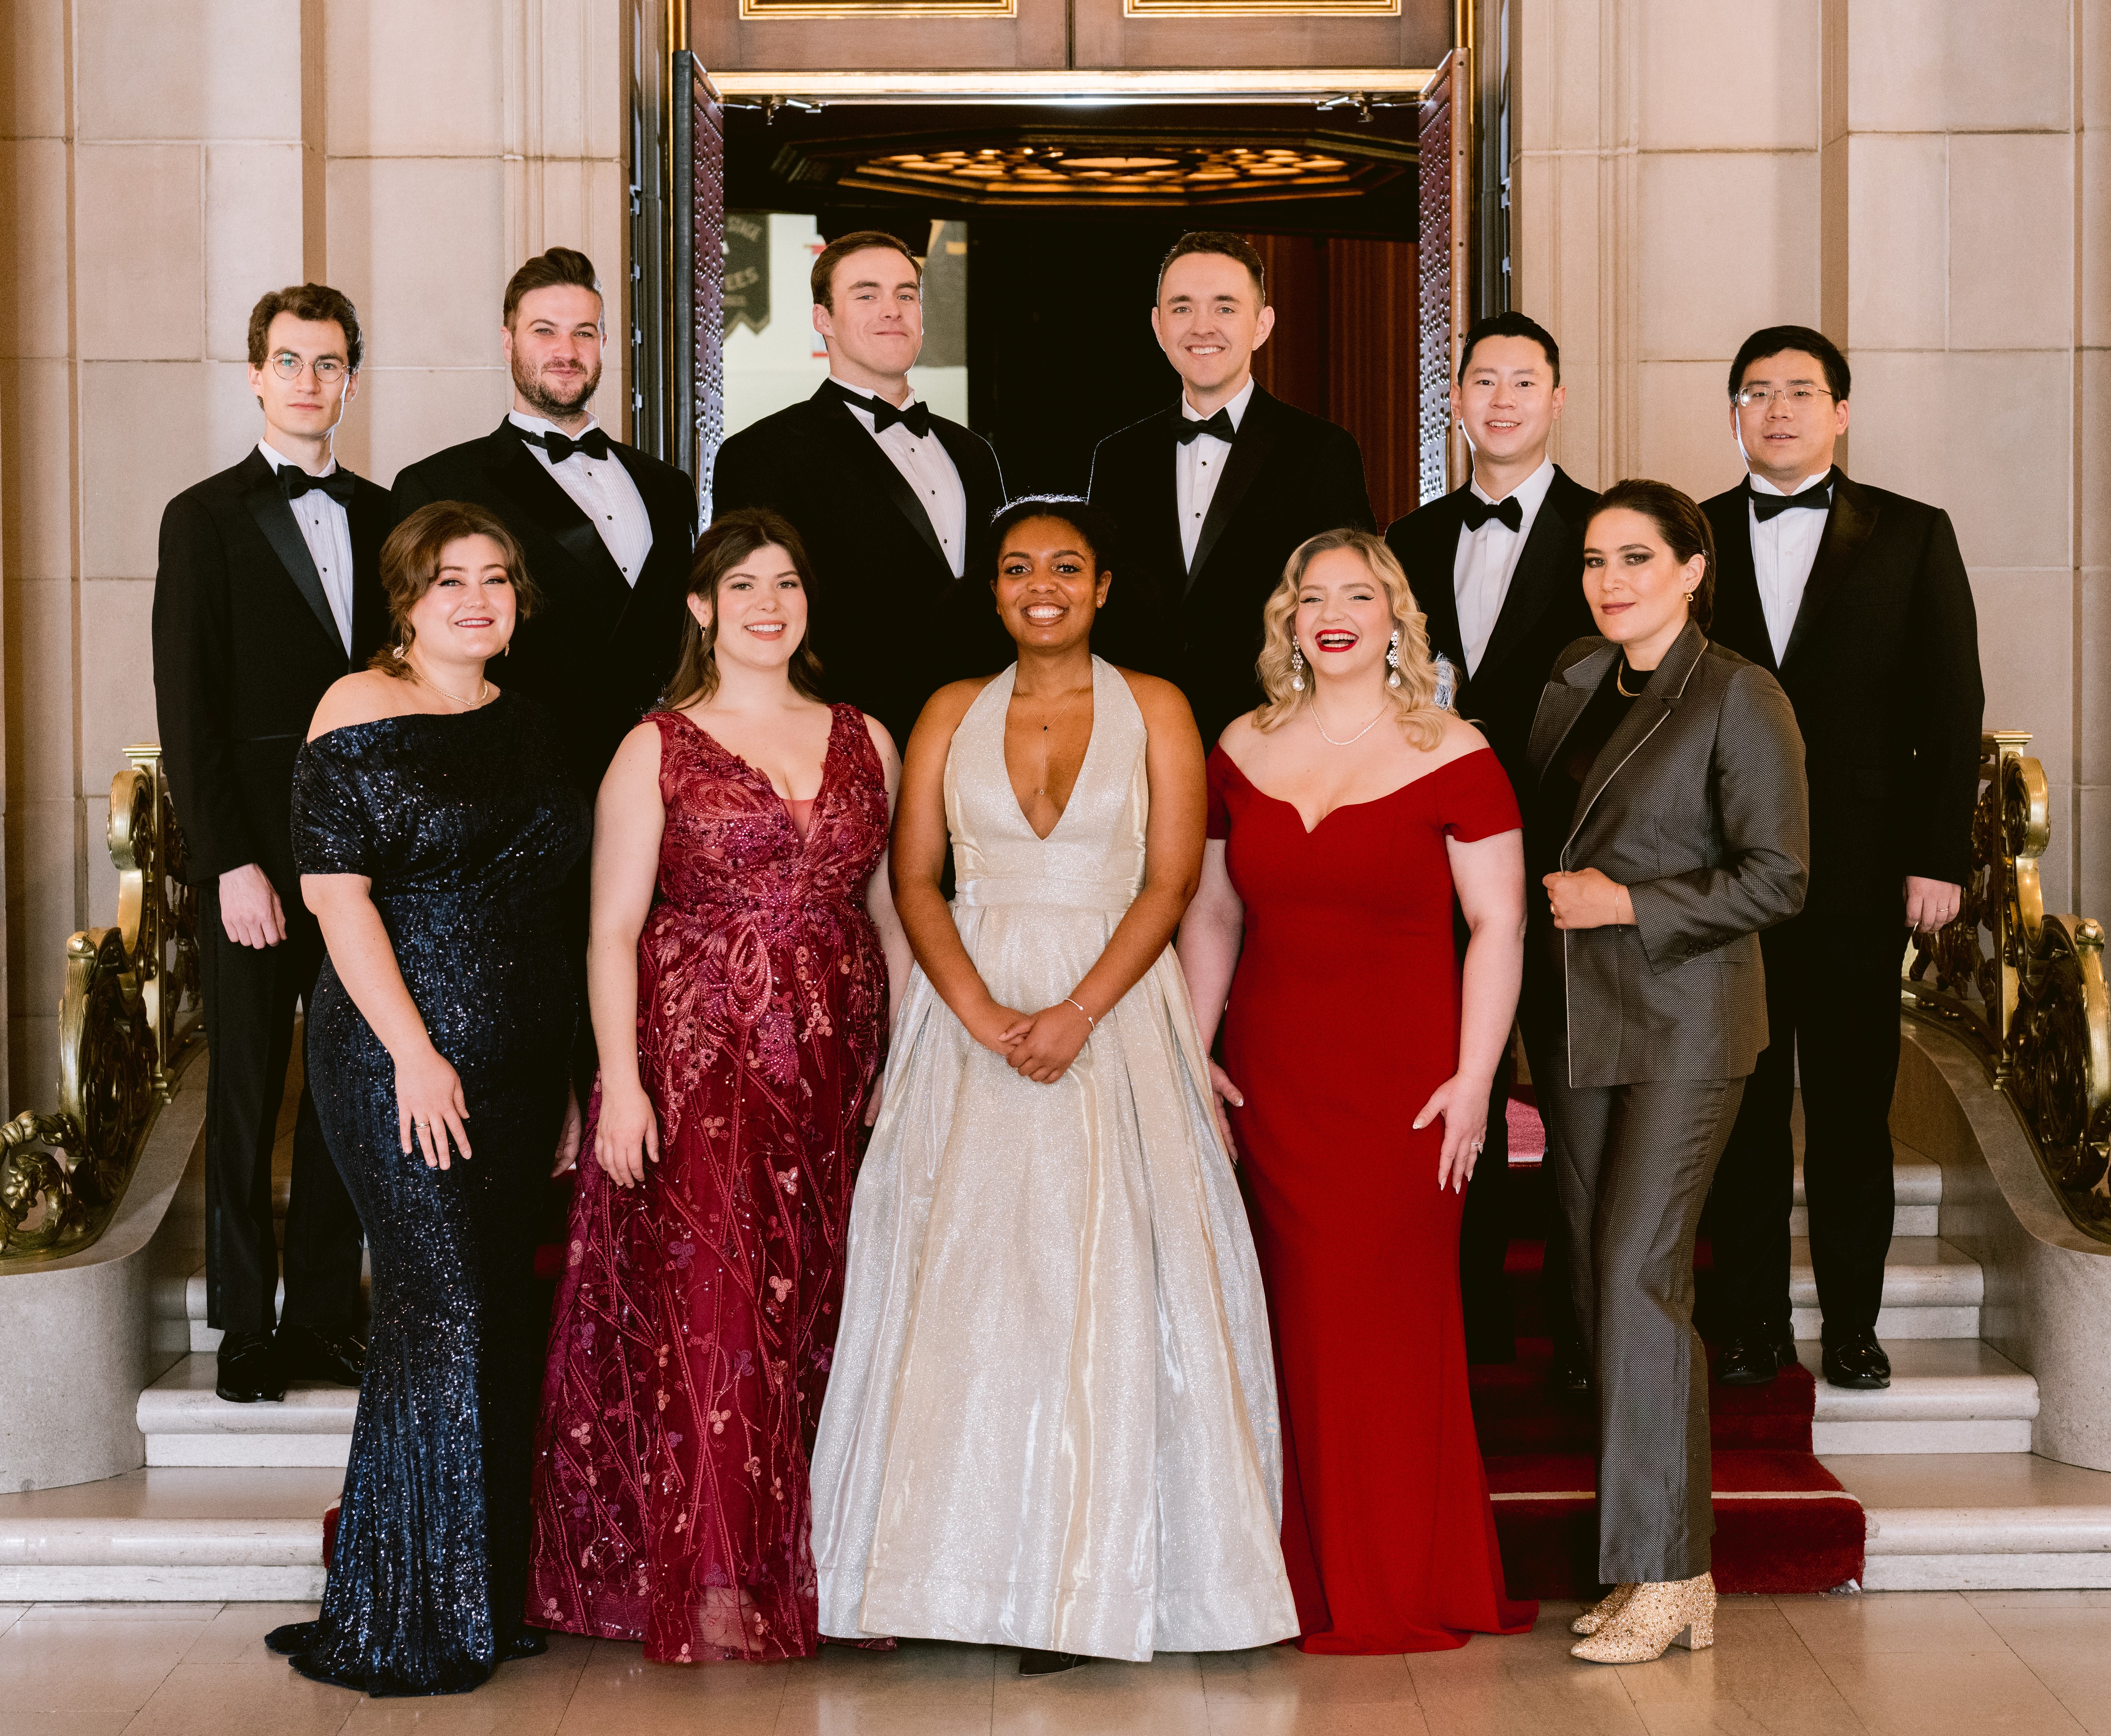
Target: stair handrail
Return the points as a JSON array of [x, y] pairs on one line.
[[2025, 989], [129, 1009]]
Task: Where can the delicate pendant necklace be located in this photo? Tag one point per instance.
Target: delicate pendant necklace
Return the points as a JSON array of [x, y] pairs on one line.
[[1356, 738], [483, 689]]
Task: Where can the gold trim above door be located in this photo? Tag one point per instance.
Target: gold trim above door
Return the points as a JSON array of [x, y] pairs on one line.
[[1258, 8], [1391, 84], [764, 11]]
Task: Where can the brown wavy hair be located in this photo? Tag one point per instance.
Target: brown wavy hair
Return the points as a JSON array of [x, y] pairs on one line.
[[1421, 720], [1681, 522], [411, 566], [732, 538]]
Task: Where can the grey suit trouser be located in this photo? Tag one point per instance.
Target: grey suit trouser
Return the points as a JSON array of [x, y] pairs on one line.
[[1632, 1166]]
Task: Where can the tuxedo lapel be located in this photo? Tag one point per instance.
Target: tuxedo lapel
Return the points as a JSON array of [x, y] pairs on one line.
[[670, 522], [1740, 619], [1256, 440], [1538, 573], [1437, 554], [862, 452], [371, 523], [267, 505], [520, 474], [1847, 527], [1667, 686]]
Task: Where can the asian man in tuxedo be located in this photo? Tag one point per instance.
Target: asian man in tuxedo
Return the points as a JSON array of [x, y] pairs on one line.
[[1497, 567], [607, 528], [269, 590], [1212, 493], [1856, 598], [892, 501]]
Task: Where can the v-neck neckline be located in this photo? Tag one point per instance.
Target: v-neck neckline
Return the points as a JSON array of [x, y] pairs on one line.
[[1092, 741], [783, 802]]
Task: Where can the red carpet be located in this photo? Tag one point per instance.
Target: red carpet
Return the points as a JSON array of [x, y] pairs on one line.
[[1782, 1522]]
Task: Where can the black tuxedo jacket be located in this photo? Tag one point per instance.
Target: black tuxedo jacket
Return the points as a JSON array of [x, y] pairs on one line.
[[1543, 611], [597, 650], [1882, 667], [245, 646], [889, 621], [1291, 475]]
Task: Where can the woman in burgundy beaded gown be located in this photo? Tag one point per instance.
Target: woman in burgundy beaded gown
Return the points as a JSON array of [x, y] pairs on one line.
[[1344, 815], [742, 926]]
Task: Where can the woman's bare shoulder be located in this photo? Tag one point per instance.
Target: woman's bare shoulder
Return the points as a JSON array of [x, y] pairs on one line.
[[1160, 701], [366, 697], [1459, 738]]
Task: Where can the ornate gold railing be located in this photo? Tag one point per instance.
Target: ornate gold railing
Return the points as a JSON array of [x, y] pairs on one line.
[[130, 1006], [2027, 989]]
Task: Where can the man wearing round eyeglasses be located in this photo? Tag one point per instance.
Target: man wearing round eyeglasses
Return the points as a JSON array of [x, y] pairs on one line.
[[1857, 598], [269, 590]]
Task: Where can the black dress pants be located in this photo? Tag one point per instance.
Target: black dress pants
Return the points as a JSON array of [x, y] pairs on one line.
[[249, 994], [1832, 1000]]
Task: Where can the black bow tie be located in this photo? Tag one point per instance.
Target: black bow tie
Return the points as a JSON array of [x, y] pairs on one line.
[[1219, 425], [1766, 506], [296, 483], [593, 442], [916, 418], [1477, 511]]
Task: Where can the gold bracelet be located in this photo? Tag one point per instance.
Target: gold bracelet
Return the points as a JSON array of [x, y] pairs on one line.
[[1091, 1023]]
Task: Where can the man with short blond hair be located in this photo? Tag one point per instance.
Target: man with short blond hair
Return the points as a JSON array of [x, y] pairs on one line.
[[892, 501], [269, 590]]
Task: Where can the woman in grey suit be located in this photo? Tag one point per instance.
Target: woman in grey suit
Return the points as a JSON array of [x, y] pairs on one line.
[[1670, 824]]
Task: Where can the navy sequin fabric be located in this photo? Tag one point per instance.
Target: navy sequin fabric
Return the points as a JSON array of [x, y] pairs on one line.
[[466, 826]]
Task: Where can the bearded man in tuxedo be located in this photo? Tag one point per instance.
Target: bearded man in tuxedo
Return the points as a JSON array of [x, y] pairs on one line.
[[1212, 493], [1497, 567], [1857, 600], [269, 590], [892, 501]]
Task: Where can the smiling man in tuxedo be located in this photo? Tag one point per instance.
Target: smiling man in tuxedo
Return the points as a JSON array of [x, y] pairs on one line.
[[1212, 493], [607, 529], [1497, 566], [892, 501], [269, 590], [1857, 598]]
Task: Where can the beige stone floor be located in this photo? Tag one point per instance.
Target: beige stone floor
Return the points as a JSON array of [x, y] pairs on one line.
[[1913, 1663]]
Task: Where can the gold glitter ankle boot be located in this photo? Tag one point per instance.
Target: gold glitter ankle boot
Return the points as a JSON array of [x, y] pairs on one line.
[[1603, 1611], [1681, 1612]]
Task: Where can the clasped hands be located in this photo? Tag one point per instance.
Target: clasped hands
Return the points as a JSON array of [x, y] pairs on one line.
[[1039, 1046]]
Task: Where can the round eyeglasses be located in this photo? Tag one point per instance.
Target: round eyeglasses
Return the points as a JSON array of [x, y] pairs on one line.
[[289, 366]]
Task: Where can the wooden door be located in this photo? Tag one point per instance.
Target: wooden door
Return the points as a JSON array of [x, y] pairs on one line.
[[699, 275]]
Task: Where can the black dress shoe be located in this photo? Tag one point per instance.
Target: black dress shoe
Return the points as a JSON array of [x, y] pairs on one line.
[[307, 1354], [1569, 1372], [249, 1368], [1857, 1360], [527, 1642], [1748, 1360], [1047, 1663]]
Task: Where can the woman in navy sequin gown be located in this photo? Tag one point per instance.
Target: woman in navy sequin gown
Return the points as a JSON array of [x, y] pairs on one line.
[[434, 827]]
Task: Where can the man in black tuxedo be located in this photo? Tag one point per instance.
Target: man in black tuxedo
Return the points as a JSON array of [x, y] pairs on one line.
[[1497, 567], [269, 591], [893, 502], [1857, 598], [1212, 493], [607, 529]]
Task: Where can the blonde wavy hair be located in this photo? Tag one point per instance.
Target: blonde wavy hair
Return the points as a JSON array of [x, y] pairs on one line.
[[1421, 718]]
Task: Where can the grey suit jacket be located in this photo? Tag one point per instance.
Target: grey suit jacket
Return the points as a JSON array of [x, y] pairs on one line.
[[1698, 806]]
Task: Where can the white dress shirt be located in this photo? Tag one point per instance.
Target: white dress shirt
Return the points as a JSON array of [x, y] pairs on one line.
[[1487, 558], [601, 489], [1783, 550], [929, 468], [1198, 467], [326, 528]]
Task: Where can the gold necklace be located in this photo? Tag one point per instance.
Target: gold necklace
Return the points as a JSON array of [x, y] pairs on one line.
[[1617, 670], [482, 688]]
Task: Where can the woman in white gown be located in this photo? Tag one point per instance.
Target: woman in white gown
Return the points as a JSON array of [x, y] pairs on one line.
[[1052, 1420]]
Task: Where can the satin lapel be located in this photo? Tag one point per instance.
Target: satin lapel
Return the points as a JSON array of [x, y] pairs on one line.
[[1562, 703], [520, 474], [1249, 451], [370, 524], [670, 528], [1847, 527], [1434, 586], [1532, 582], [1660, 699], [863, 453], [276, 519], [1740, 619]]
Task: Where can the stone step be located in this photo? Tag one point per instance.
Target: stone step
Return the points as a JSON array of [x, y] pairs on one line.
[[1946, 1396], [1979, 1521], [169, 1535], [1931, 1290], [1917, 1187], [186, 1423], [194, 1300]]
